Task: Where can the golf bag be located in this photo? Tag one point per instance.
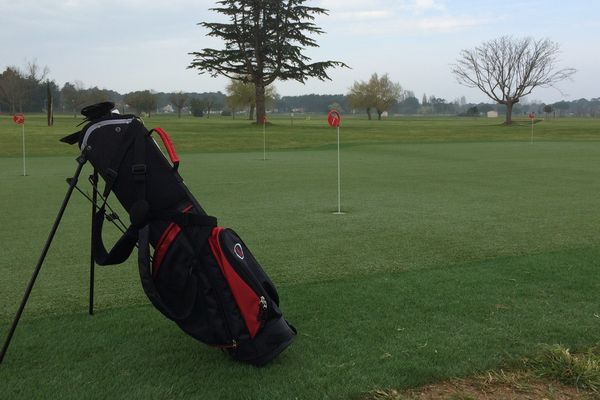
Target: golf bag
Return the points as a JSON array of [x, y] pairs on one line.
[[200, 275]]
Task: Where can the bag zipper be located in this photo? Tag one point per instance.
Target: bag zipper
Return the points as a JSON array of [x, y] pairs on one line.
[[247, 275]]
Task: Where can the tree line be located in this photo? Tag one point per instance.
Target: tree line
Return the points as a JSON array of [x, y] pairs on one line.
[[29, 90]]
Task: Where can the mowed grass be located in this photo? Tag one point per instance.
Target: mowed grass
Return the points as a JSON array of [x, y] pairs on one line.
[[461, 248], [223, 134]]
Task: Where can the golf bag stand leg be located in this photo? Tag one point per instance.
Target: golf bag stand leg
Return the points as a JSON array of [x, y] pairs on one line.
[[94, 180], [81, 160]]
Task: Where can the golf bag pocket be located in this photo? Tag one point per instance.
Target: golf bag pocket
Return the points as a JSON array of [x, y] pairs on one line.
[[248, 283], [264, 333], [217, 292], [172, 272]]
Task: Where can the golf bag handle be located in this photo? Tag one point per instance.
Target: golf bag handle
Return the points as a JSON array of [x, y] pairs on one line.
[[168, 145]]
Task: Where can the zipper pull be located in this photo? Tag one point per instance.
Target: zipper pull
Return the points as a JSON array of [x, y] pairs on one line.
[[262, 314]]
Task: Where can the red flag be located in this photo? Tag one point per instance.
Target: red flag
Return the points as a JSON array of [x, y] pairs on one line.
[[334, 119], [19, 119]]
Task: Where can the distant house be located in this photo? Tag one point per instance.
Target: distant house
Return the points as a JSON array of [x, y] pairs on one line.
[[492, 114], [167, 109]]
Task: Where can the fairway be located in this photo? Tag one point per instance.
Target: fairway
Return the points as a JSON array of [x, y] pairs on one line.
[[464, 246]]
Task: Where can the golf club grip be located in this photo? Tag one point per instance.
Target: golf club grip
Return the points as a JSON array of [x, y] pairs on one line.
[[168, 145]]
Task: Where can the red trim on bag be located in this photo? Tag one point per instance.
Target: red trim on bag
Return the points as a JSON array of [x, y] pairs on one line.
[[168, 144], [164, 243], [247, 300]]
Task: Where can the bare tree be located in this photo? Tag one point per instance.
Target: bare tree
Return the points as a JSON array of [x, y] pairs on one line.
[[179, 100], [35, 72], [507, 69]]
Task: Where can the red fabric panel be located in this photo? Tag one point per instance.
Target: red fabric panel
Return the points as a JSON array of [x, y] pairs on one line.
[[163, 246], [246, 299], [165, 242]]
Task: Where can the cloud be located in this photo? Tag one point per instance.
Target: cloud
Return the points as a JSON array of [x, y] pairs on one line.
[[362, 15], [411, 25], [449, 23], [421, 6], [389, 17]]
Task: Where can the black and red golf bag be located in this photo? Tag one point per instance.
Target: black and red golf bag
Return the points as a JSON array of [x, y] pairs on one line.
[[200, 275]]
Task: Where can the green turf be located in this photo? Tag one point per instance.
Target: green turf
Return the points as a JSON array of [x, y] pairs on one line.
[[459, 251], [221, 134]]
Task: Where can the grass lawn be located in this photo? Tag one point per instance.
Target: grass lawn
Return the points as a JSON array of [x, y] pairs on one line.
[[463, 247]]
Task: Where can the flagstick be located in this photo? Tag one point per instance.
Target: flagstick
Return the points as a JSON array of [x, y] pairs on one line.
[[24, 167], [532, 131], [339, 211], [264, 140], [339, 173]]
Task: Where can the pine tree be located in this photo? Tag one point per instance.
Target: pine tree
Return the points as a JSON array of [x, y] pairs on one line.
[[264, 41]]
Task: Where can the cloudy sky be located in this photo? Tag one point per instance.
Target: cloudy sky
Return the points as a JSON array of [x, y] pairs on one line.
[[129, 45]]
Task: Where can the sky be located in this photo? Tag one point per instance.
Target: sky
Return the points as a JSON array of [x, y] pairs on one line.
[[128, 45]]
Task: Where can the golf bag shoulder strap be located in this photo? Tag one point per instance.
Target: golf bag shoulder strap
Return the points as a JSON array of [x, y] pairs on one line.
[[122, 248], [138, 214]]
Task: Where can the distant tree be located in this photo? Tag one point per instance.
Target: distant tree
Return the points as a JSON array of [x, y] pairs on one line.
[[547, 110], [406, 94], [424, 101], [506, 69], [23, 90], [35, 72], [311, 102], [360, 97], [179, 100], [561, 106], [386, 93], [472, 112], [264, 41], [73, 96], [13, 89], [441, 106], [197, 107], [335, 107], [209, 103], [484, 107], [379, 93], [49, 104], [410, 105], [142, 101], [96, 95], [243, 95]]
